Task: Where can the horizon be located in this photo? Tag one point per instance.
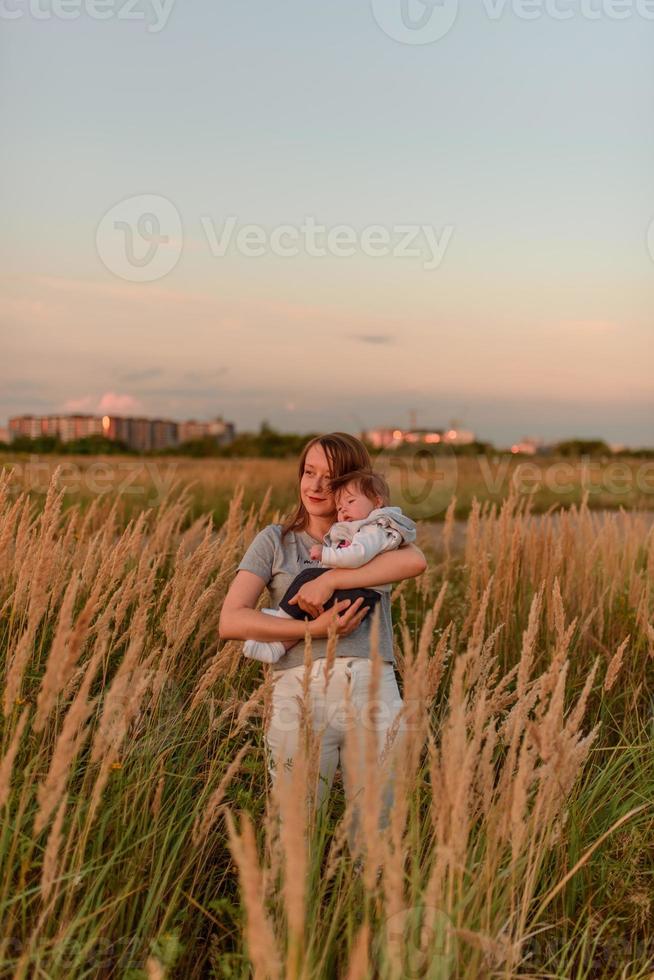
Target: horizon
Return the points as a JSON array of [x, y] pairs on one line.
[[258, 427], [163, 252]]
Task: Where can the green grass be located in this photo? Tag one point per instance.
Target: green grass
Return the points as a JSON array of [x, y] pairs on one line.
[[131, 884]]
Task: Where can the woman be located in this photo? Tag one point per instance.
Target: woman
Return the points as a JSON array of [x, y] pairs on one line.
[[274, 558]]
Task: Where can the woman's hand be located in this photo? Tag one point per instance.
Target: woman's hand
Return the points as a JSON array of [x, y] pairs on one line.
[[313, 595], [346, 614]]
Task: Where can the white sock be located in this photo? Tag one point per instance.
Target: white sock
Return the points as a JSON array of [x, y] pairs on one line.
[[267, 652]]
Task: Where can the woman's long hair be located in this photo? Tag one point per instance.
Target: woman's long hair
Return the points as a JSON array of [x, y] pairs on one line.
[[344, 453]]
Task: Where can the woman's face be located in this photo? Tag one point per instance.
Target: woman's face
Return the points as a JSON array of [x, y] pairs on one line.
[[314, 484]]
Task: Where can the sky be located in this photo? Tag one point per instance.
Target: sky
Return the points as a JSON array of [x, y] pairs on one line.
[[331, 216]]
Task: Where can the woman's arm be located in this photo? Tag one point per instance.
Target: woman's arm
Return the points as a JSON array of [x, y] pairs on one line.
[[392, 566], [239, 620]]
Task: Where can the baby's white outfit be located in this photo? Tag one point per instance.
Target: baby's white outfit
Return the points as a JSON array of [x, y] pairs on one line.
[[347, 544]]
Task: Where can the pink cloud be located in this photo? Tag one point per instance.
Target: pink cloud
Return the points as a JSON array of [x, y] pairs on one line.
[[113, 403], [110, 403]]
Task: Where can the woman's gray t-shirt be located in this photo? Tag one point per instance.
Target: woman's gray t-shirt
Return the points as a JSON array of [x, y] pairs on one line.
[[277, 560]]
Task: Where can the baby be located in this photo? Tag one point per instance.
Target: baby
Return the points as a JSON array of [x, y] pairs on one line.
[[366, 527]]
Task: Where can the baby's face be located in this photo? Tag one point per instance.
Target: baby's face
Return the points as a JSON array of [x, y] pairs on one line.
[[352, 504]]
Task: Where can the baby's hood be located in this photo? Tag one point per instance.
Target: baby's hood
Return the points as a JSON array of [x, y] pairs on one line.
[[393, 517]]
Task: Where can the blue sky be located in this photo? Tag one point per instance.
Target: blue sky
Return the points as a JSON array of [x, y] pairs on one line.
[[526, 146]]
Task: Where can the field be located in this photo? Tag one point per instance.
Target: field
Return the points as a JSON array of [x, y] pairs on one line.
[[139, 834], [421, 484]]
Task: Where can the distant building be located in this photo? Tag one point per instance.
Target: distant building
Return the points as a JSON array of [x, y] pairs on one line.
[[66, 427], [139, 433], [116, 428], [69, 427], [191, 430], [528, 446], [4, 435], [393, 438], [163, 433], [218, 429], [29, 426]]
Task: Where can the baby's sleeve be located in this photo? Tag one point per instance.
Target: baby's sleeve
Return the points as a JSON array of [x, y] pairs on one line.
[[370, 540]]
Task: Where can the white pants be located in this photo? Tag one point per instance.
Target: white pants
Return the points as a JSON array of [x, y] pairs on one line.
[[328, 716]]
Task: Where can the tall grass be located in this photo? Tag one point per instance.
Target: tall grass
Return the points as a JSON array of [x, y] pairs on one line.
[[423, 484], [140, 835]]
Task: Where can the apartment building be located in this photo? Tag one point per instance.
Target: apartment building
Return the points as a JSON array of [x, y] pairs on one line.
[[139, 433]]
